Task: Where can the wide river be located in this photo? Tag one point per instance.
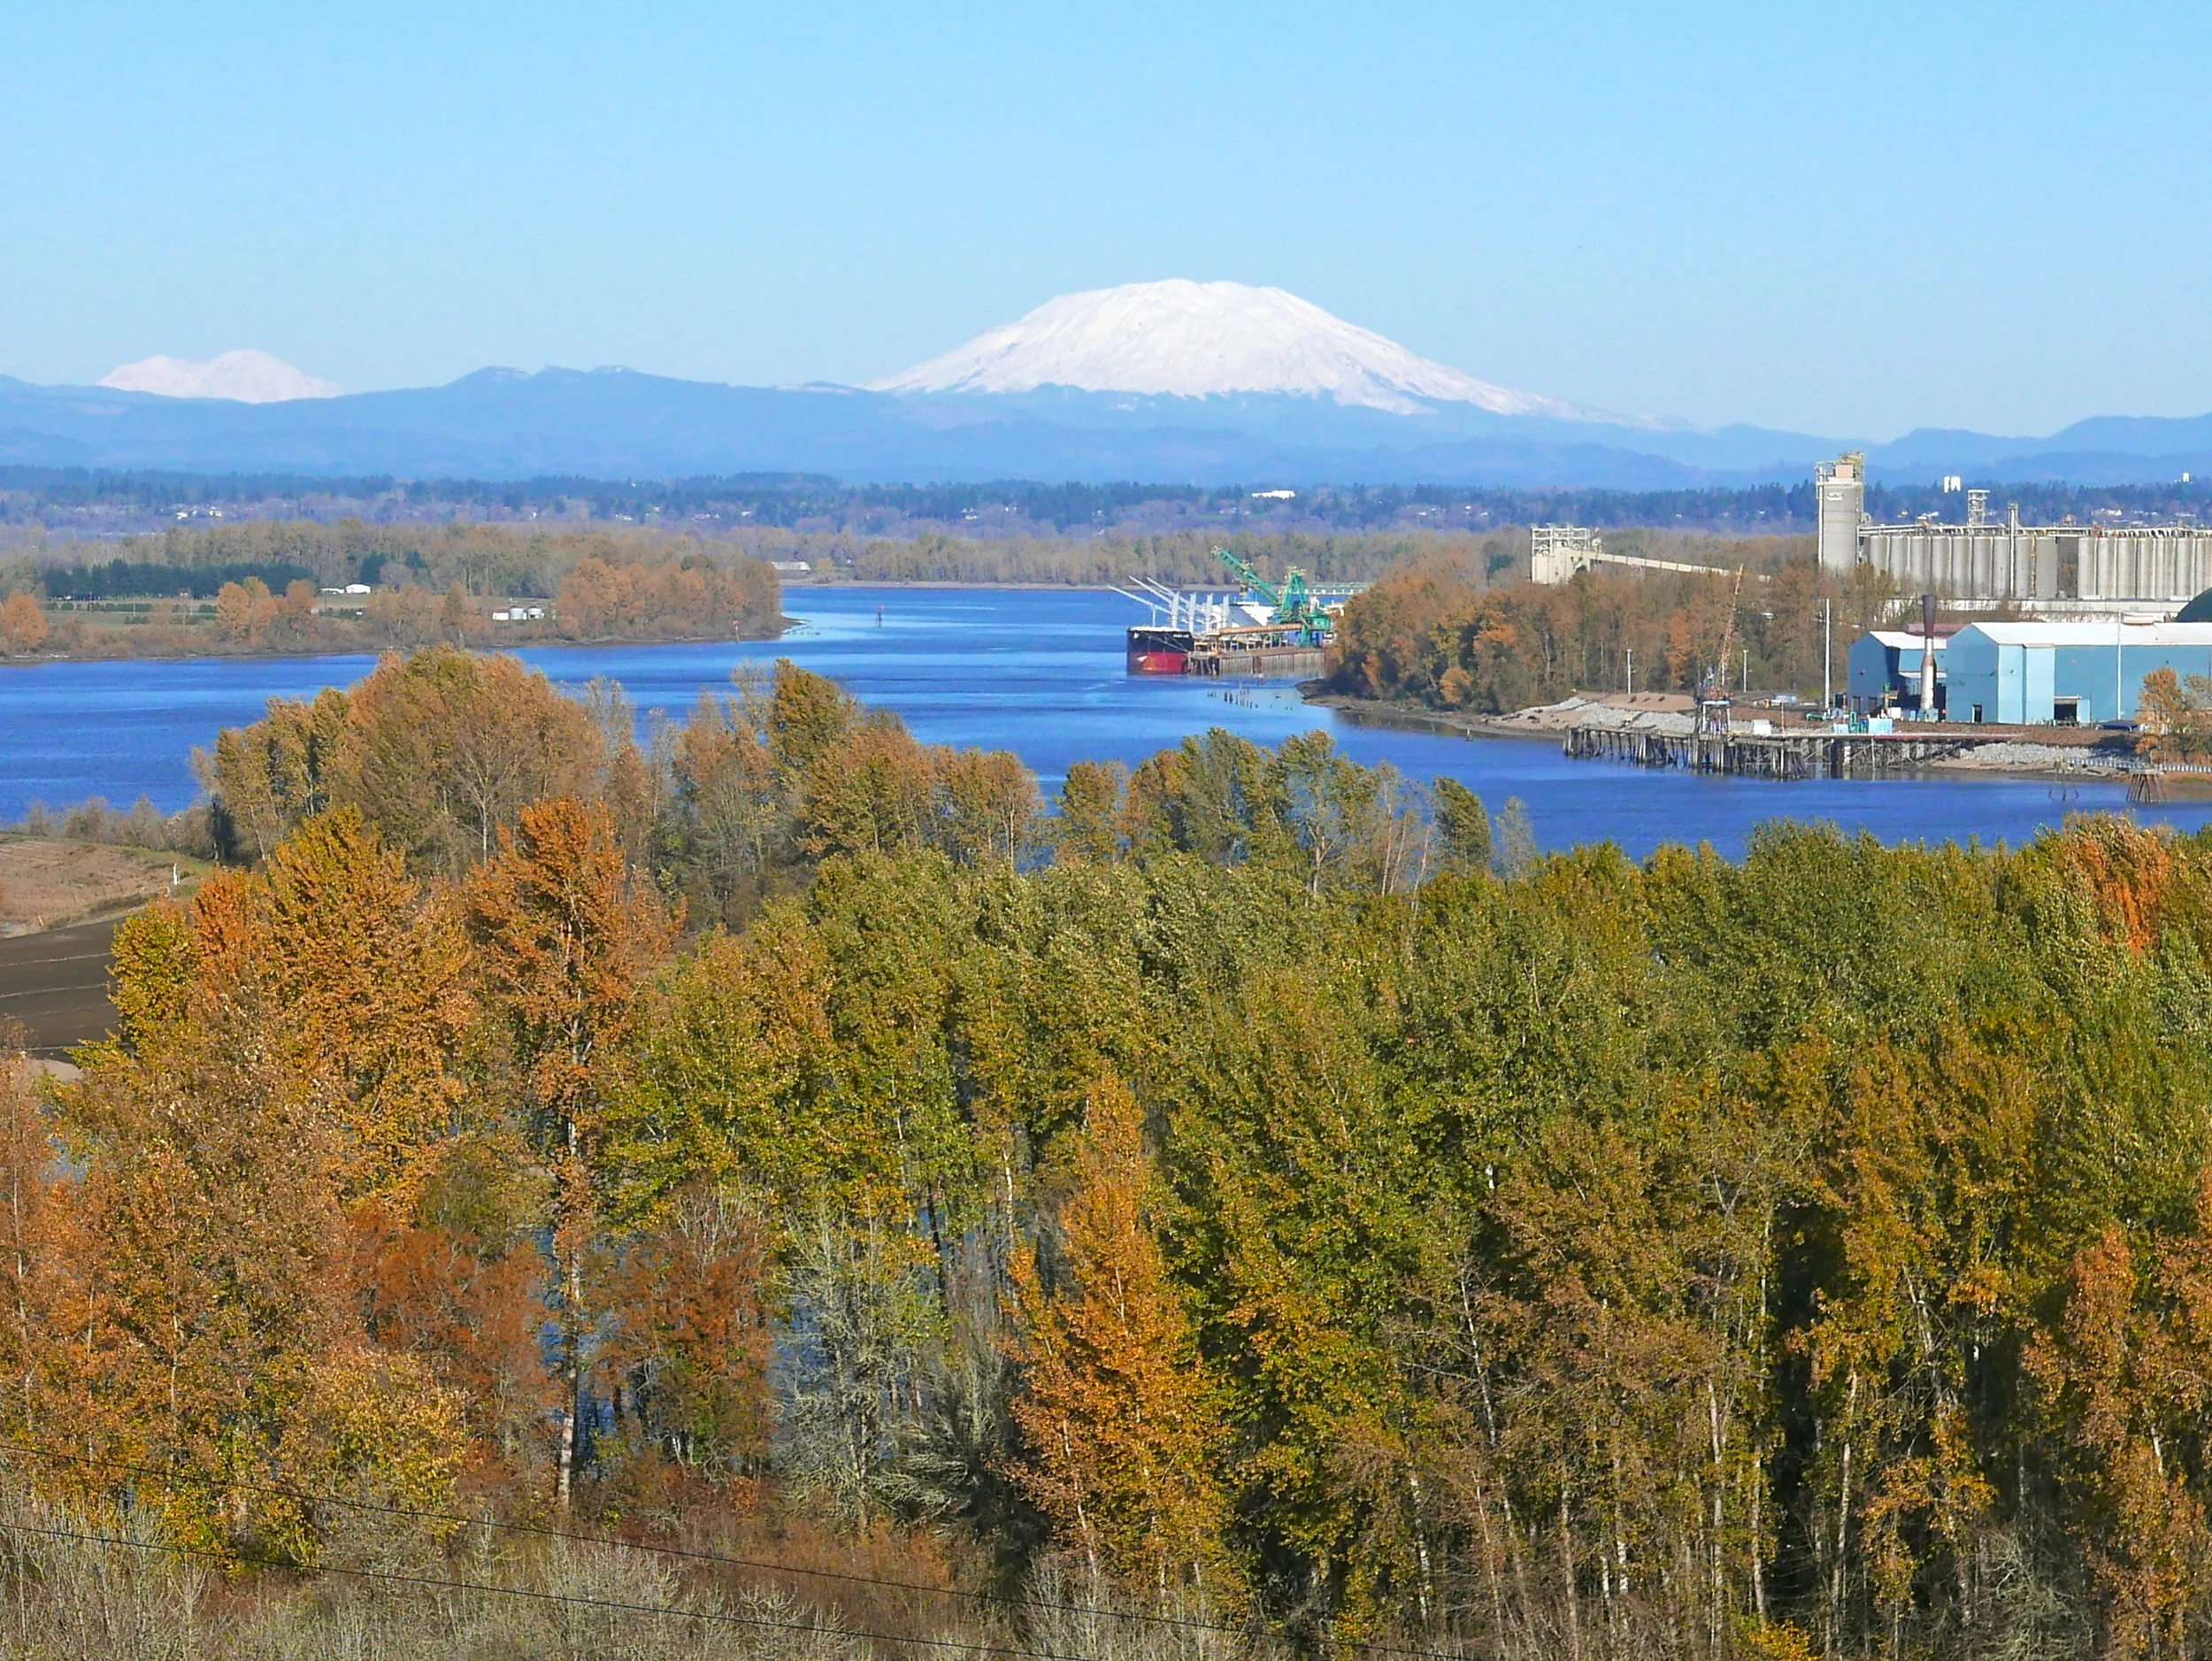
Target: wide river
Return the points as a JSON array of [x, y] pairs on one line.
[[1038, 672]]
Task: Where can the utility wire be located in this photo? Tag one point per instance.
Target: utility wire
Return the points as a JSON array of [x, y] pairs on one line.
[[431, 1583], [687, 1553]]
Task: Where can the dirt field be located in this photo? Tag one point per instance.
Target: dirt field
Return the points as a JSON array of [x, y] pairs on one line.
[[48, 884]]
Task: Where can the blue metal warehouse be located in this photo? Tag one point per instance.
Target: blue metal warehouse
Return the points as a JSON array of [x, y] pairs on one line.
[[2063, 671], [1883, 669]]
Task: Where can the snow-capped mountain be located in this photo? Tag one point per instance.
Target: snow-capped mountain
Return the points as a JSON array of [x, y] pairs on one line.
[[243, 377], [1187, 339]]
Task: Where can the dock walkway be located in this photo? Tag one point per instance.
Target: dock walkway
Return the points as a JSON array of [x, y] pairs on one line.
[[1775, 756]]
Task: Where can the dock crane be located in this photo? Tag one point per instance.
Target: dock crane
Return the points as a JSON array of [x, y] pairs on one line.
[[1294, 605], [1712, 704]]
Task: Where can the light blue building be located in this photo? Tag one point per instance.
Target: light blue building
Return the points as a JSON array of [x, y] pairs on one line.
[[1882, 671], [2067, 673]]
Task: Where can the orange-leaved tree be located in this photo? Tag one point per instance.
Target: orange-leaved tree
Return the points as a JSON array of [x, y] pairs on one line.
[[1121, 1425], [215, 1334], [22, 625], [2127, 1376], [564, 938]]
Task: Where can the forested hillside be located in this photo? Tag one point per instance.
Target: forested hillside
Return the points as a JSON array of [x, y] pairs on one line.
[[1262, 1198]]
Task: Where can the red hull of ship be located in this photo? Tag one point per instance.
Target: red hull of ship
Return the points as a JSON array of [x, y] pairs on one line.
[[1154, 650]]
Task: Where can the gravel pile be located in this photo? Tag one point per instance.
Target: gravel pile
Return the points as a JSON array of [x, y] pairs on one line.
[[1583, 713], [2020, 758]]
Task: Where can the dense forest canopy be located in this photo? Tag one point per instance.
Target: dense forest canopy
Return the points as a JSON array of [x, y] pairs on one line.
[[1260, 1194]]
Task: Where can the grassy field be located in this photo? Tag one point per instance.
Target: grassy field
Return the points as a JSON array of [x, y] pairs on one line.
[[49, 883]]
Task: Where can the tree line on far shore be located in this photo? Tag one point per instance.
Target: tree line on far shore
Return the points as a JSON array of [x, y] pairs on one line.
[[267, 583], [1439, 631]]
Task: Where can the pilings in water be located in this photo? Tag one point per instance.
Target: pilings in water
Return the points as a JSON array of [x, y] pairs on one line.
[[1299, 663], [1767, 756]]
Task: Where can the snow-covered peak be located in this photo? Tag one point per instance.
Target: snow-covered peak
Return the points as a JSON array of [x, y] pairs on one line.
[[1196, 339], [245, 377]]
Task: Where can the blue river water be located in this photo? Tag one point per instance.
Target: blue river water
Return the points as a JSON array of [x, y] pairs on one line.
[[1036, 671]]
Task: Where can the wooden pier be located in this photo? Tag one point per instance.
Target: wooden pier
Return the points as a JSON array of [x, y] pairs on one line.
[[1299, 663], [1772, 755]]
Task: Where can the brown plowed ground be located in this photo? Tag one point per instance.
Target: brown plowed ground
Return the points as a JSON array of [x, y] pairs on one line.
[[55, 983]]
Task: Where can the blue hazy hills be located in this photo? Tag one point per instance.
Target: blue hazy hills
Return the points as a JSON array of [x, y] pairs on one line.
[[617, 423]]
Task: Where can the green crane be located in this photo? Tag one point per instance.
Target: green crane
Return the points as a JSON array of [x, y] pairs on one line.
[[1294, 606]]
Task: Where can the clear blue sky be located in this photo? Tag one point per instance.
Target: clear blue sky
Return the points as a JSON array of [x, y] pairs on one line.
[[1843, 220]]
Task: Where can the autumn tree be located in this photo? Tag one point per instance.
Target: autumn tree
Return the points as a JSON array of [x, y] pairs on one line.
[[442, 750], [242, 611], [2128, 1374], [270, 777], [217, 1337], [731, 806], [1120, 1425], [41, 1291], [689, 597], [22, 625], [991, 809], [564, 938], [688, 1343], [873, 790], [369, 973]]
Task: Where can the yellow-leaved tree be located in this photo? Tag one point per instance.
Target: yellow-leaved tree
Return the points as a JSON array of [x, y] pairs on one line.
[[369, 978]]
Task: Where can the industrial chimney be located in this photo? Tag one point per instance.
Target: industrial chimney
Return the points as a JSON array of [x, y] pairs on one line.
[[1927, 658]]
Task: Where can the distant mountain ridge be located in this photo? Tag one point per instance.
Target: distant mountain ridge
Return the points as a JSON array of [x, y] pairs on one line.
[[619, 424], [501, 423]]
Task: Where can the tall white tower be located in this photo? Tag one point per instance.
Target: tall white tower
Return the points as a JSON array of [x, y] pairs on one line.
[[1840, 494]]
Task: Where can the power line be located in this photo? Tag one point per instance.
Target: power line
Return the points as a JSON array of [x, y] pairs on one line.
[[432, 1583], [540, 1531]]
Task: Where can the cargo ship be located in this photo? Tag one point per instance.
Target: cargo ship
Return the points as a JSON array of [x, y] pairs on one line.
[[1265, 629], [1159, 651]]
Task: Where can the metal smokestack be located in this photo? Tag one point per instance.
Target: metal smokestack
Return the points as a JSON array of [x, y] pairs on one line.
[[1927, 658]]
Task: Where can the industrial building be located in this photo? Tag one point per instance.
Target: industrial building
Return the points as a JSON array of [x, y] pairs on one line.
[[2067, 569], [1882, 670], [2070, 673], [1559, 553], [1839, 500]]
